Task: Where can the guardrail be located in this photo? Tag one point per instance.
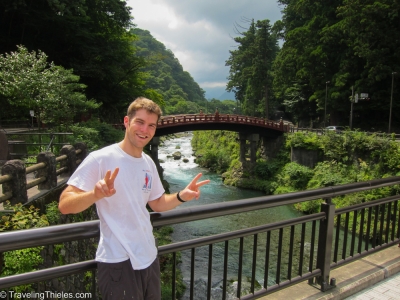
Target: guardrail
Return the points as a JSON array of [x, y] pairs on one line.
[[13, 177], [323, 241], [18, 148], [322, 131]]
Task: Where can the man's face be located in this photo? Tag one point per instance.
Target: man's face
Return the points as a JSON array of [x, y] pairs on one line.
[[140, 129]]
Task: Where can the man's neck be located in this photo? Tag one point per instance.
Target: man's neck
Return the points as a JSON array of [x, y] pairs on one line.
[[134, 152]]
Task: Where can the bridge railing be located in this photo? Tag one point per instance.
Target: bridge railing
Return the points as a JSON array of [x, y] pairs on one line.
[[48, 168], [221, 118], [176, 120], [299, 249]]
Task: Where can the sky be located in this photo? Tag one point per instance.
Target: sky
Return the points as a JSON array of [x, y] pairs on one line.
[[200, 32]]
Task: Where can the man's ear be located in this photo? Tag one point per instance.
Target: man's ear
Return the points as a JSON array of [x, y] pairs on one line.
[[126, 121]]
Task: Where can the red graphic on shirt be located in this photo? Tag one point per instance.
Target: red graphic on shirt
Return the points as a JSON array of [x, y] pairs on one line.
[[147, 182]]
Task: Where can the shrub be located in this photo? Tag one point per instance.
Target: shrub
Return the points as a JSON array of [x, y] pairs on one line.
[[295, 176], [306, 140], [23, 260]]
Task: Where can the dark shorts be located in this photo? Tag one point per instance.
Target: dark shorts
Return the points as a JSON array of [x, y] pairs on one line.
[[119, 281]]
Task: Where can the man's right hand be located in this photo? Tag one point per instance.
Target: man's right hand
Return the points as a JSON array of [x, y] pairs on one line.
[[105, 187], [74, 200]]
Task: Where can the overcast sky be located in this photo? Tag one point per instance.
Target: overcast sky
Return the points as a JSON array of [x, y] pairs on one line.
[[199, 32]]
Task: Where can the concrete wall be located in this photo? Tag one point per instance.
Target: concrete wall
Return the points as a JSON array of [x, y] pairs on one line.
[[305, 157], [271, 146]]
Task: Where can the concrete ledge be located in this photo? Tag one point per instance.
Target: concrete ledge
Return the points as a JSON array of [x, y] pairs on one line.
[[350, 278], [363, 283]]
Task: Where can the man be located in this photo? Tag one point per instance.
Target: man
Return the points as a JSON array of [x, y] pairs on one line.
[[121, 179]]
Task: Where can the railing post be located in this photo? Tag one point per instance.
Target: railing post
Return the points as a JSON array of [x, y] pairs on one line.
[[325, 243], [50, 171], [70, 163], [81, 146], [17, 186]]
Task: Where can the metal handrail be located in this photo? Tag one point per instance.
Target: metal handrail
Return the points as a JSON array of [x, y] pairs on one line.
[[90, 229], [68, 232]]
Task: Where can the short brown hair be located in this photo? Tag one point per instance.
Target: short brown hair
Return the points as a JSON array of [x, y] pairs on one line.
[[145, 103]]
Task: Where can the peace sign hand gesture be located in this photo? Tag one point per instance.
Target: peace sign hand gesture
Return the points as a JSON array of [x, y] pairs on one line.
[[105, 186], [192, 190]]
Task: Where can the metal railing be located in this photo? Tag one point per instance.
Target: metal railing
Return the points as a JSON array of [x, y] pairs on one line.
[[300, 249], [320, 131], [22, 146]]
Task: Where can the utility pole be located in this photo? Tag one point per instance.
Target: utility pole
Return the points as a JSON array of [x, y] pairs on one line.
[[391, 102], [351, 108], [326, 99]]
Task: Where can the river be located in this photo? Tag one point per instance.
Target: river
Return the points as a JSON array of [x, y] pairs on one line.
[[179, 174]]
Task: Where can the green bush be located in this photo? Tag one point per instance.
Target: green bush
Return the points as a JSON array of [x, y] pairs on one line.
[[306, 140], [295, 176], [23, 260], [95, 134]]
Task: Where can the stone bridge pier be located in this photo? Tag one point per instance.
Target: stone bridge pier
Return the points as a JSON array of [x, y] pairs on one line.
[[154, 143], [253, 142]]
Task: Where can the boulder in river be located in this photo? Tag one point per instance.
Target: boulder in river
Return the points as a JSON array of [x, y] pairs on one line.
[[177, 155]]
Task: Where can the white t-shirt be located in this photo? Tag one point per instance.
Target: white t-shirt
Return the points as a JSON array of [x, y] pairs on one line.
[[125, 227]]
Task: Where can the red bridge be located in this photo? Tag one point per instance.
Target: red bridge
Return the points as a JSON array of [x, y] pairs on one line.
[[249, 128], [243, 124]]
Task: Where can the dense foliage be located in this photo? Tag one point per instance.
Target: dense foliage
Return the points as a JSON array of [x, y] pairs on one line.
[[215, 150], [330, 47], [348, 157], [23, 260], [89, 37]]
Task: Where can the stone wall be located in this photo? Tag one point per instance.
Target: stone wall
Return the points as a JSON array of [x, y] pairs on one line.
[[270, 147], [305, 157]]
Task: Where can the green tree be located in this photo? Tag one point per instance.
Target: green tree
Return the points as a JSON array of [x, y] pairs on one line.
[[28, 81], [250, 75], [89, 36], [346, 43], [306, 61], [370, 27]]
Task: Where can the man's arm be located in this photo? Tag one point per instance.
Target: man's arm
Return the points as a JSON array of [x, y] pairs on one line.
[[167, 202], [74, 200]]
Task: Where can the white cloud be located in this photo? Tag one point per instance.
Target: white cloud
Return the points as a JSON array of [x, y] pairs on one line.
[[199, 32], [213, 84]]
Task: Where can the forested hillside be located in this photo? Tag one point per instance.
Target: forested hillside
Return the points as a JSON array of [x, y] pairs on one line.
[[164, 74]]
